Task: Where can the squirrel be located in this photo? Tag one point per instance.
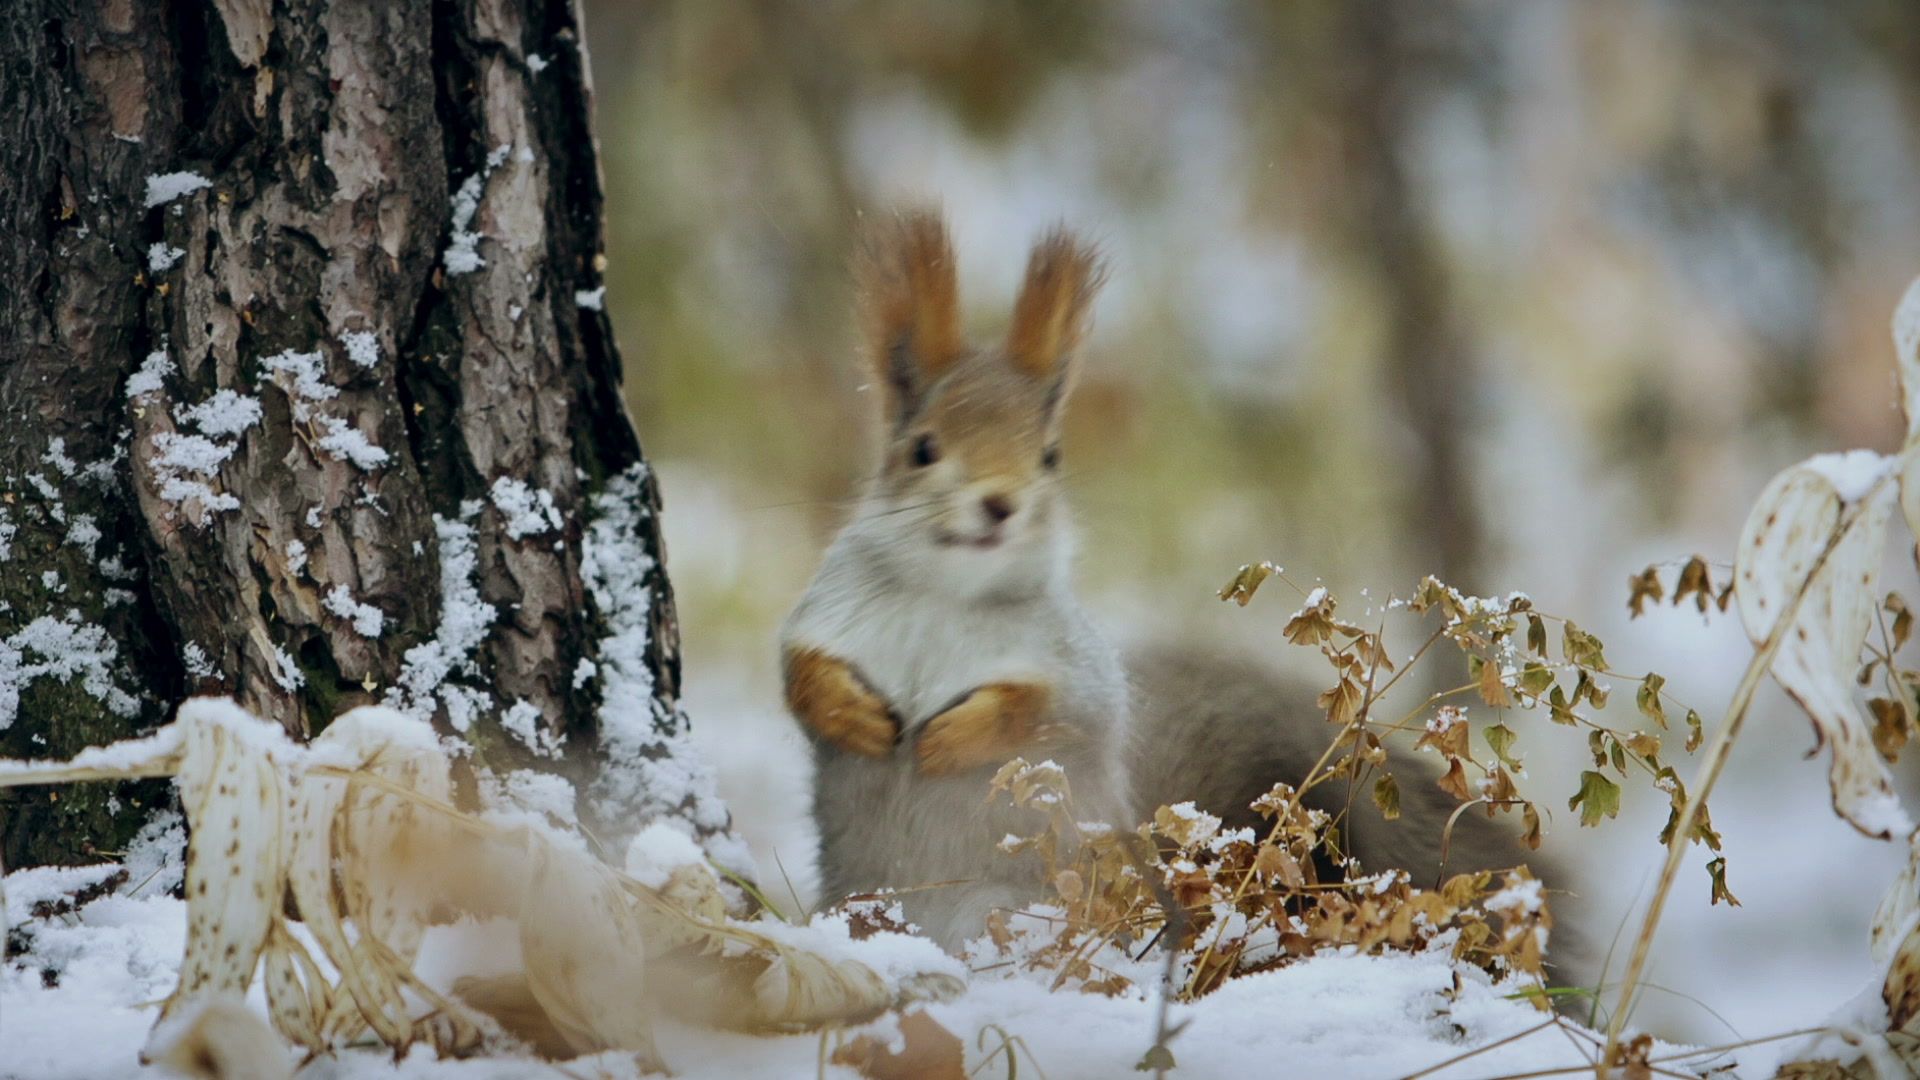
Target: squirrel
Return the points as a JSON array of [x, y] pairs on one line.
[[941, 637]]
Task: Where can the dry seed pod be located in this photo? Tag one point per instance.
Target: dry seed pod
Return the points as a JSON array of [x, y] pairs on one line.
[[231, 791]]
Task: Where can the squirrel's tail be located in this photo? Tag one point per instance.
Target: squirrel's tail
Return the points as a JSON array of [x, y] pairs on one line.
[[1221, 730]]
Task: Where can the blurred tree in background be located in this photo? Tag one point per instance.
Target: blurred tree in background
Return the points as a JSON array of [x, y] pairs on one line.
[[1397, 287]]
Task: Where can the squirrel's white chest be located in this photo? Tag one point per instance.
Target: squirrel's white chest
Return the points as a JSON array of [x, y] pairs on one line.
[[923, 657]]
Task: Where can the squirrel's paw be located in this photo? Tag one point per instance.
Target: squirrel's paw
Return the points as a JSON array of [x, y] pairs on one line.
[[860, 724], [990, 726], [838, 707]]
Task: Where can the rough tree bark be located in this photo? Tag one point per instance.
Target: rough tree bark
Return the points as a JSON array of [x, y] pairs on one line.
[[309, 397]]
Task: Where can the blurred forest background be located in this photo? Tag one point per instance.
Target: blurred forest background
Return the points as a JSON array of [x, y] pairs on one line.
[[1526, 295]]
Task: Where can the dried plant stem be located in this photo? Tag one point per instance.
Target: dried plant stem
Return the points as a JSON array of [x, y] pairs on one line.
[[1477, 1051], [1715, 762]]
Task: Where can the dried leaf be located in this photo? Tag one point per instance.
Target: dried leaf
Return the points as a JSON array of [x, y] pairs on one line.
[[1693, 582], [1643, 587], [1792, 524], [1597, 798], [1717, 873], [1386, 796], [1342, 702], [1247, 582], [1536, 635], [1648, 699], [1454, 782], [1889, 726], [1493, 689], [1581, 648], [1500, 738]]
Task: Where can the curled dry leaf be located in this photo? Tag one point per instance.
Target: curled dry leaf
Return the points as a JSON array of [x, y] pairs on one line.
[[585, 953], [382, 845], [1896, 942], [231, 793], [1799, 514]]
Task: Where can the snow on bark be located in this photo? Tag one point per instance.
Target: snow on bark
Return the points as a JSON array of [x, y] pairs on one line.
[[652, 769]]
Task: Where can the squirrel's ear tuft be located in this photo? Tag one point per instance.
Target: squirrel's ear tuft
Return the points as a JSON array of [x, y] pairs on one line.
[[910, 300], [1050, 318]]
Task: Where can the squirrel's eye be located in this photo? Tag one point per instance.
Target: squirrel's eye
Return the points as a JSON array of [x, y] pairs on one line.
[[925, 451], [1050, 458]]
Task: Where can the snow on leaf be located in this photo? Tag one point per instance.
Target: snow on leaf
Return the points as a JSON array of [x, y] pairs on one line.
[[1791, 525]]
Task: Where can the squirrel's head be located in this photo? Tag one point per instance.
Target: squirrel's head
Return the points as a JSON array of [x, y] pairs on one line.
[[969, 477]]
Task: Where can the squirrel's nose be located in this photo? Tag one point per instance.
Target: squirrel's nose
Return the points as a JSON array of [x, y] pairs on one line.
[[998, 508]]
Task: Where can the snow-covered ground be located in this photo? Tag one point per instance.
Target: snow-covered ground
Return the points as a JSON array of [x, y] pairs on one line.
[[79, 1002]]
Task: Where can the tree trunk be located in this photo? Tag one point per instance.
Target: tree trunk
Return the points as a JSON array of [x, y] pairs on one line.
[[1428, 363], [310, 398]]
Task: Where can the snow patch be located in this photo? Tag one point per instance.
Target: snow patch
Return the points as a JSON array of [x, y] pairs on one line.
[[153, 369], [307, 371], [160, 257], [182, 465], [368, 621], [528, 511], [163, 188], [83, 532], [363, 347], [194, 659], [287, 674], [64, 650], [348, 443], [591, 299], [426, 669], [656, 851], [652, 768], [225, 413], [462, 255], [56, 456], [522, 721]]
